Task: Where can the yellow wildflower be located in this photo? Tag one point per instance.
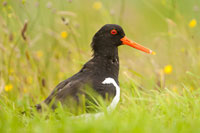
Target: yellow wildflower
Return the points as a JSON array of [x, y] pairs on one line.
[[169, 33], [191, 88], [43, 98], [64, 34], [8, 87], [168, 69], [39, 54], [60, 75], [9, 15], [183, 50], [23, 1], [29, 80], [25, 90], [4, 9], [10, 7], [192, 23], [11, 71], [97, 5]]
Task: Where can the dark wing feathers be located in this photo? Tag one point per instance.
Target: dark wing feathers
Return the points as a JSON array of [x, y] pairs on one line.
[[71, 85], [66, 87]]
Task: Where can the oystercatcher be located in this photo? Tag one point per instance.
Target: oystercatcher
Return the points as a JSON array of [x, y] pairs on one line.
[[100, 74]]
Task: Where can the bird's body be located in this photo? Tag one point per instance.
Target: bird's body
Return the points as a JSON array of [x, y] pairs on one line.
[[93, 73], [103, 65]]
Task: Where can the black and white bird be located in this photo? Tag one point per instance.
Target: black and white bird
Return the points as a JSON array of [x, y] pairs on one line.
[[100, 73]]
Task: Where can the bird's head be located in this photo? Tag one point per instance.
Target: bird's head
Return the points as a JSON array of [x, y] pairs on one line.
[[110, 36]]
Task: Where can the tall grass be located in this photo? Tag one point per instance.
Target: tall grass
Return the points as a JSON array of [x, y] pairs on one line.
[[158, 93]]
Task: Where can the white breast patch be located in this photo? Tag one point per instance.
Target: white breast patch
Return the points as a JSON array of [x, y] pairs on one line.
[[116, 99], [111, 107]]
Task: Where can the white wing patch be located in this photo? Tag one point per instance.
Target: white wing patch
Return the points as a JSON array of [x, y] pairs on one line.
[[113, 104], [116, 99]]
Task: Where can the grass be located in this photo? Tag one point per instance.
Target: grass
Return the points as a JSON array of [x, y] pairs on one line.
[[158, 93]]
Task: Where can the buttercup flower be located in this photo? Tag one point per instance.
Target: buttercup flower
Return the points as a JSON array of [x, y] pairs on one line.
[[168, 69], [192, 23], [97, 5], [8, 87], [39, 54], [29, 80], [64, 34]]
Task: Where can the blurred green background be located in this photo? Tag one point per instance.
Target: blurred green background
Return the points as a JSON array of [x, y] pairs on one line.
[[44, 42]]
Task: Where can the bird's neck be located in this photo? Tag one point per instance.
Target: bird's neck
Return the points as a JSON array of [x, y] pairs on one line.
[[108, 61], [109, 52]]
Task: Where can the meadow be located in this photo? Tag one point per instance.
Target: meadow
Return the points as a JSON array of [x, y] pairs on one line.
[[44, 42]]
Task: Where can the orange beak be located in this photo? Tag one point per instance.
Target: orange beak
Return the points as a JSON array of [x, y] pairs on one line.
[[128, 42]]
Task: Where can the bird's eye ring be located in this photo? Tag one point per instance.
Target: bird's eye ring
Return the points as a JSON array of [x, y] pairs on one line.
[[113, 32]]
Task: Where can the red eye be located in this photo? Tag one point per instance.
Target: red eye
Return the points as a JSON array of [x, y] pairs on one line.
[[113, 32]]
